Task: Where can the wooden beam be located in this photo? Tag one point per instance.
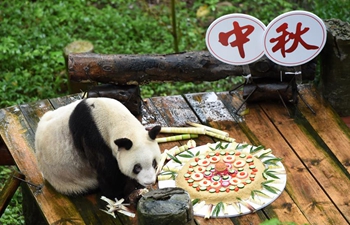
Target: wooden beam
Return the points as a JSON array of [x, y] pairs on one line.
[[187, 67]]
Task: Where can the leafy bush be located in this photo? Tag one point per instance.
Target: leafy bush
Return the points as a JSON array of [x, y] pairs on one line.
[[34, 33]]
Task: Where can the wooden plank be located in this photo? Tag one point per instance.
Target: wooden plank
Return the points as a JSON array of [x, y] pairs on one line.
[[176, 112], [323, 168], [19, 138], [32, 112], [284, 206], [65, 100], [328, 125], [301, 185], [211, 111]]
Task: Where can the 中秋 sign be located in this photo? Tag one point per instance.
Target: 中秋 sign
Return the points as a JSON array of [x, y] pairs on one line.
[[236, 39], [291, 39], [294, 38]]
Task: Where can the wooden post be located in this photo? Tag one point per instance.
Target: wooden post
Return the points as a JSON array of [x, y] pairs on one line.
[[335, 66], [78, 47], [9, 190]]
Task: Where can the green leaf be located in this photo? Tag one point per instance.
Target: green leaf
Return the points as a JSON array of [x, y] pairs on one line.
[[258, 148], [241, 146], [218, 208], [174, 158], [270, 173], [271, 189], [185, 155], [255, 192], [272, 161], [195, 201]]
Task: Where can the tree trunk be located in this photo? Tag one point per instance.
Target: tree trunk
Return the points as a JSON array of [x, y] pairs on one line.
[[335, 66]]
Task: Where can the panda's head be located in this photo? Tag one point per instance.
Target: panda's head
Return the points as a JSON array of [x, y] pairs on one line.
[[139, 158]]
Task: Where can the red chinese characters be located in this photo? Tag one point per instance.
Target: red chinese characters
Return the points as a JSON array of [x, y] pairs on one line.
[[241, 37], [286, 37]]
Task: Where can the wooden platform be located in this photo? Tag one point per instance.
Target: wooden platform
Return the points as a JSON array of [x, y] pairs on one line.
[[315, 151]]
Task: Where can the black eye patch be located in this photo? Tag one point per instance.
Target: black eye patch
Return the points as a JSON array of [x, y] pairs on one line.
[[137, 168], [154, 164]]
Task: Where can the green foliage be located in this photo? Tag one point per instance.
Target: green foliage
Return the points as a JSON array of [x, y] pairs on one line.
[[13, 212], [34, 33]]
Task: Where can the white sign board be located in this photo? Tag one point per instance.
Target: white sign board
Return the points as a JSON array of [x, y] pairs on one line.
[[294, 38], [236, 39]]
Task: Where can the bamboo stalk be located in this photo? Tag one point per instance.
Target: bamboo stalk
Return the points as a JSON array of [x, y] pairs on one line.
[[177, 150], [165, 177], [176, 138], [215, 135], [183, 130], [162, 161], [214, 130]]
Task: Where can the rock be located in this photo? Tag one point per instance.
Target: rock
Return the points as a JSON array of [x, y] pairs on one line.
[[167, 206]]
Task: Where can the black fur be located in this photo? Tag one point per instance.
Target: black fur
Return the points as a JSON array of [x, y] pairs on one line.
[[91, 146], [123, 143], [154, 132]]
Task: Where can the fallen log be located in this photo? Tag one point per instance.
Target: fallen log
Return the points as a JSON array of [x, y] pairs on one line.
[[187, 66]]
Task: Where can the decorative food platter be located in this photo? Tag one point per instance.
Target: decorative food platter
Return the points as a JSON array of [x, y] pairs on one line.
[[226, 179]]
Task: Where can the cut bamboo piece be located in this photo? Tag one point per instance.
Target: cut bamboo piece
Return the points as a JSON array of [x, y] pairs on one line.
[[183, 130], [218, 136], [176, 138], [223, 133], [177, 150]]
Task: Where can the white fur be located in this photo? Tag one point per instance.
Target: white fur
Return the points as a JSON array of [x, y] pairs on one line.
[[67, 172]]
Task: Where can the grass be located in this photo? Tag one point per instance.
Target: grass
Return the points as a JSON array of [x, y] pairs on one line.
[[34, 33]]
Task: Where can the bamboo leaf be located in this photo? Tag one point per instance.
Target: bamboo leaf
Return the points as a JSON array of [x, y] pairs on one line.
[[266, 182], [272, 161], [189, 152], [217, 209], [174, 158], [270, 173], [171, 173], [256, 192], [185, 155], [269, 188], [195, 201], [258, 148], [241, 146], [263, 155]]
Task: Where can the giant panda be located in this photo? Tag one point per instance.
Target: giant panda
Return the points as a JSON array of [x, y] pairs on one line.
[[95, 143]]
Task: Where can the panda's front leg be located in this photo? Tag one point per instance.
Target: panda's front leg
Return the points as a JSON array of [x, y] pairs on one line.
[[111, 181]]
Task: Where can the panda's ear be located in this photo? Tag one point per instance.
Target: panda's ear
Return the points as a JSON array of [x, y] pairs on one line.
[[154, 132], [123, 143]]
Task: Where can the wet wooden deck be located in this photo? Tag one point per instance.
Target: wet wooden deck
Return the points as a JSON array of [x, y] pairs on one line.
[[315, 151]]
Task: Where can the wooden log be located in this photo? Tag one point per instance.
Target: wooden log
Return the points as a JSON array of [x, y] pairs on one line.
[[335, 66], [188, 66]]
